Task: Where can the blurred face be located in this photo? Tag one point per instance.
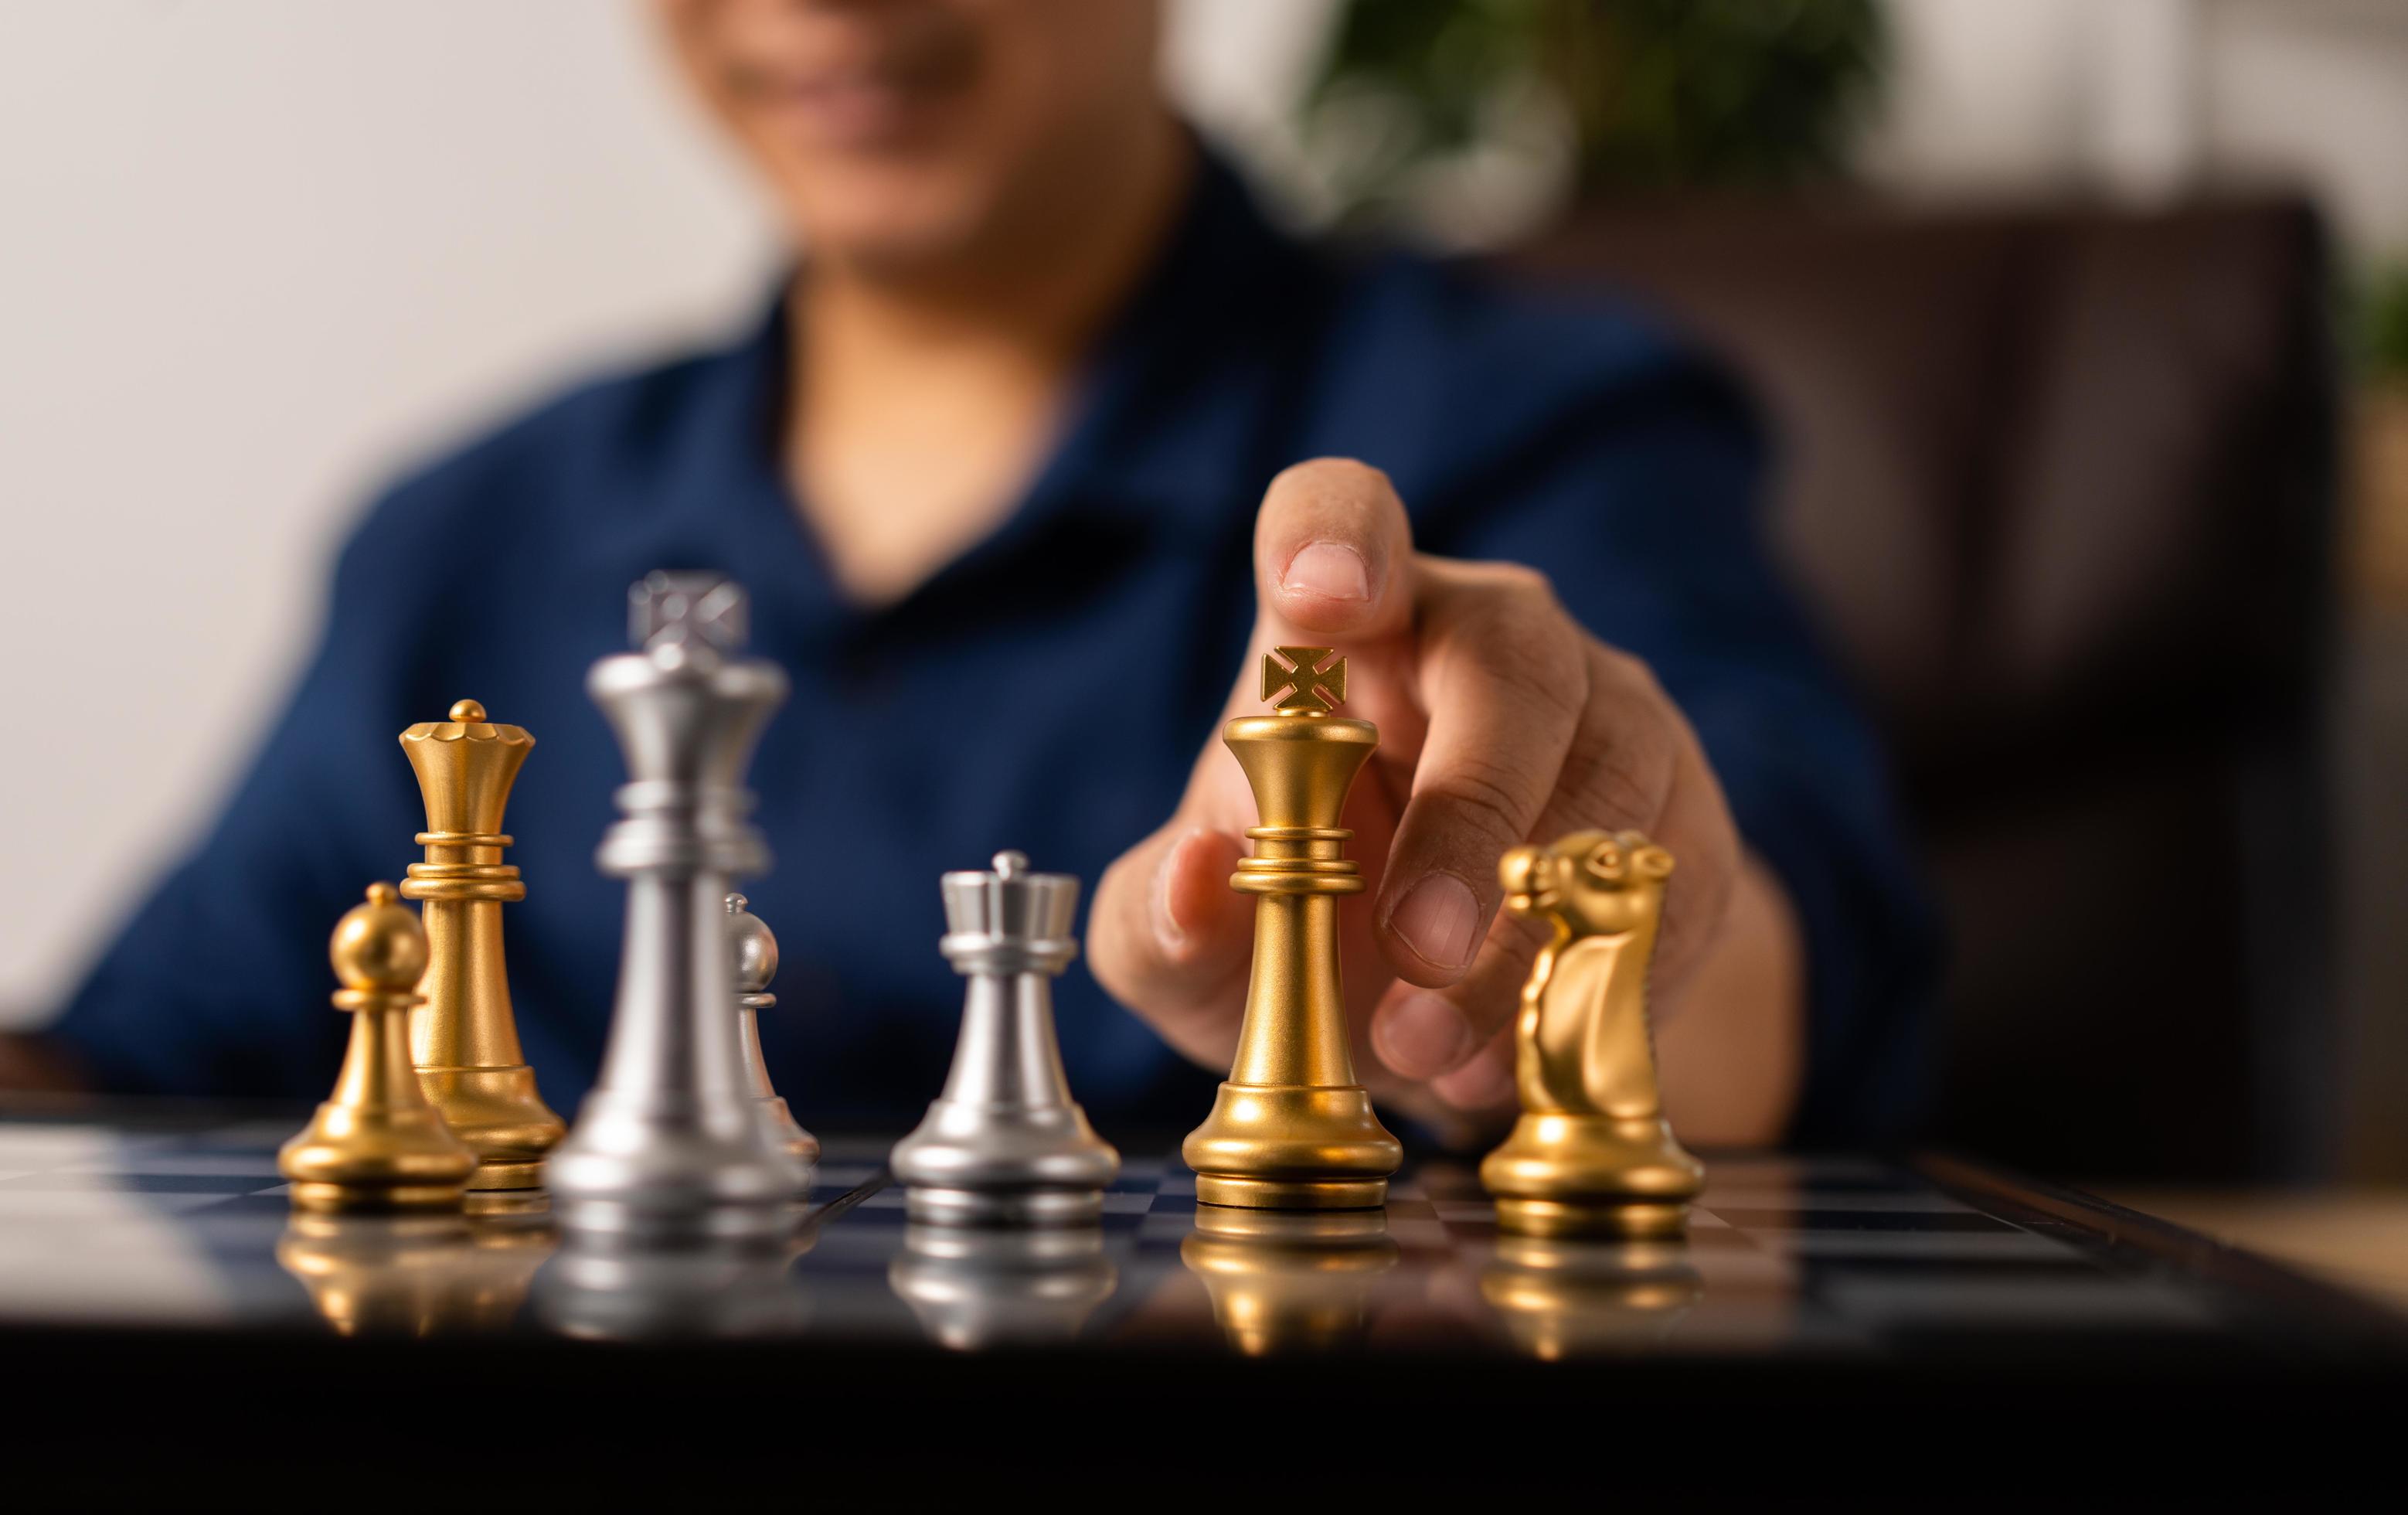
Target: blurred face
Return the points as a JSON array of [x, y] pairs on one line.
[[911, 132]]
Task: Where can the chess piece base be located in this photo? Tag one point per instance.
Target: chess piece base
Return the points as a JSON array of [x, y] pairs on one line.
[[644, 1173], [1291, 1194], [1563, 1174], [984, 1163], [365, 1198], [349, 1160], [1292, 1148], [498, 1113], [1004, 1207], [786, 1134]]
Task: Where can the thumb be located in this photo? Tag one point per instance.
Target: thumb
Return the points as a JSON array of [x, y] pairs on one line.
[[1333, 557], [1167, 937]]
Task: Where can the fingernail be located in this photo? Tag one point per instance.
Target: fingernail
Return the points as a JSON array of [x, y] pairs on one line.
[[1328, 570], [1167, 929], [1424, 1036], [1437, 919]]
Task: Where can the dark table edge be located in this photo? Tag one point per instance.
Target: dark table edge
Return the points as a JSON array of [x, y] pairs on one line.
[[2076, 1215]]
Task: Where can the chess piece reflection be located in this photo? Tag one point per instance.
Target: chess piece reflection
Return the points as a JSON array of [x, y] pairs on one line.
[[716, 1288], [1592, 1153], [411, 1275], [1569, 1297], [975, 1287], [1291, 1129], [377, 1143], [756, 964], [466, 1042], [1006, 1145], [1289, 1281], [669, 1144]]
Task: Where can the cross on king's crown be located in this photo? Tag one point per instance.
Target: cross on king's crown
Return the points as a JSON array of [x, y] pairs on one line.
[[1307, 690]]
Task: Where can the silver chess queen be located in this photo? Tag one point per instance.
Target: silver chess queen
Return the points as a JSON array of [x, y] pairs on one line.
[[671, 1144]]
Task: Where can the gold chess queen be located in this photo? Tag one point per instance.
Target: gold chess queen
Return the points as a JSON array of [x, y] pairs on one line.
[[466, 1041]]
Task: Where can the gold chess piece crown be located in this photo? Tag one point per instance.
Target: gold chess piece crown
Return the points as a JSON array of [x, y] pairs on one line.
[[1592, 1154], [377, 1143], [1291, 1128], [465, 1042]]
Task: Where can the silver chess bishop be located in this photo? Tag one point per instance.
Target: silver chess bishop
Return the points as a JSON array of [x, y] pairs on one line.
[[670, 1145], [1005, 1144]]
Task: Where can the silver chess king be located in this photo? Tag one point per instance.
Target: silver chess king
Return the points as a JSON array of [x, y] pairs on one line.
[[1005, 1144], [670, 1143]]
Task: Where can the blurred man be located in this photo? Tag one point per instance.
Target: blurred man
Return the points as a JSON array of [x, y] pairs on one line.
[[1045, 439]]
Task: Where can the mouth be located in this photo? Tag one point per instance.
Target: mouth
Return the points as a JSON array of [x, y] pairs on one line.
[[860, 97]]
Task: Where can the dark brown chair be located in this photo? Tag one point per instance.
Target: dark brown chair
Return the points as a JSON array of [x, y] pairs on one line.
[[2060, 484]]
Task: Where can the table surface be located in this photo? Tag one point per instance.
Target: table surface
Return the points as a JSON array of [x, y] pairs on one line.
[[130, 1234]]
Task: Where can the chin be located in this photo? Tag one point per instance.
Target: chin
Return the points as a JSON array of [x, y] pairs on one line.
[[891, 219]]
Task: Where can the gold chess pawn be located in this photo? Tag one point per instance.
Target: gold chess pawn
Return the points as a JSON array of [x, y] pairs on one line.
[[1291, 1128], [377, 1145], [465, 1042], [1592, 1154]]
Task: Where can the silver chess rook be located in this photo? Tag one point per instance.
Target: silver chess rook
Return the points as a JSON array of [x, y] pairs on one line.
[[1005, 1144], [671, 1144]]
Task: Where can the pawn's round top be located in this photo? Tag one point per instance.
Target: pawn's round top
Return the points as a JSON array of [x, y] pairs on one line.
[[756, 946], [378, 947]]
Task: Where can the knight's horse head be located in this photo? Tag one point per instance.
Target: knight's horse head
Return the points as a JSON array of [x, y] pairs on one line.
[[1589, 883]]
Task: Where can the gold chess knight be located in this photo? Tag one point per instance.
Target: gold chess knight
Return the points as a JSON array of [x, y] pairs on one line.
[[466, 1042], [1291, 1128], [377, 1143], [1592, 1154]]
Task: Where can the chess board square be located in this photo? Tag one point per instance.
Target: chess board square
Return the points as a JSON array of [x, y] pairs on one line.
[[2084, 1299], [139, 1183], [1800, 1218], [2008, 1245]]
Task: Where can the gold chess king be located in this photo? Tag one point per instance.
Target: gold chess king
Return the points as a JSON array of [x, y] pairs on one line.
[[1291, 1129]]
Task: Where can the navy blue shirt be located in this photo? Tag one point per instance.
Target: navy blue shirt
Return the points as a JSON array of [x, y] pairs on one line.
[[929, 733]]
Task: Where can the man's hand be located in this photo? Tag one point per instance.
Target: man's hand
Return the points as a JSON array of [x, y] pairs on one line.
[[1501, 721]]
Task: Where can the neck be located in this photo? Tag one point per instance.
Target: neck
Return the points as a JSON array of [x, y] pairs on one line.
[[927, 395]]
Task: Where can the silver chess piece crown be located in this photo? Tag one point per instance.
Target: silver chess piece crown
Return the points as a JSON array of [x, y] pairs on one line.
[[670, 1145], [1005, 1144], [755, 950]]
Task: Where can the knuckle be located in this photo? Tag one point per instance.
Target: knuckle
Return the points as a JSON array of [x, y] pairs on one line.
[[1627, 671], [1483, 793], [1532, 653], [1620, 778]]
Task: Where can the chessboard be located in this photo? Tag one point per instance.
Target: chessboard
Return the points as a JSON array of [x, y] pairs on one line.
[[1831, 1292]]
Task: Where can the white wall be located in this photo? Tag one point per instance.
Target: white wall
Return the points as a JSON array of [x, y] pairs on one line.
[[252, 254]]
